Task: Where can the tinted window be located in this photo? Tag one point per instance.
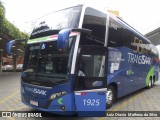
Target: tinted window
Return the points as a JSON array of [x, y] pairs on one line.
[[95, 21], [116, 31]]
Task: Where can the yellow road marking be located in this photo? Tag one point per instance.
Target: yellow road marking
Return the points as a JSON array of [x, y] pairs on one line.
[[8, 97], [120, 106], [101, 118], [11, 118], [17, 101], [19, 108], [124, 104]]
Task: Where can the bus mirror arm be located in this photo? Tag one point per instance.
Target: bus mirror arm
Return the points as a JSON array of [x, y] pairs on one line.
[[63, 36], [12, 42], [21, 40], [81, 30]]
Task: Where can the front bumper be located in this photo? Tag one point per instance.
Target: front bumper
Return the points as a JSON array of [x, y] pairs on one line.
[[63, 106]]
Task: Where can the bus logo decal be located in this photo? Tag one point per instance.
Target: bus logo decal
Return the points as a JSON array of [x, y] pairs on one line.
[[139, 59], [36, 91], [43, 46], [60, 101]]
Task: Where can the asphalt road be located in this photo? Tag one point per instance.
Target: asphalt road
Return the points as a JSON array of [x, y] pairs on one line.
[[142, 100]]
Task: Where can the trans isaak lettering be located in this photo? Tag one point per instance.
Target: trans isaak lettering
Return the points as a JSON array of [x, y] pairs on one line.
[[139, 59]]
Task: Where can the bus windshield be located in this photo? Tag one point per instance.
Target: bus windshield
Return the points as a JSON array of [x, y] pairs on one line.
[[45, 63], [51, 23]]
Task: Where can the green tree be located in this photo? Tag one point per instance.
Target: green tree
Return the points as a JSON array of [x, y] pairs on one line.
[[7, 29], [2, 8]]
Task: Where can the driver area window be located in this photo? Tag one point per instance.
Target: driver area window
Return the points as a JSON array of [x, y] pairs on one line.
[[91, 67]]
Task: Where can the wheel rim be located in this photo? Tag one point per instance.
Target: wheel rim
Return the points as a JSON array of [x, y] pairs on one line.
[[109, 96]]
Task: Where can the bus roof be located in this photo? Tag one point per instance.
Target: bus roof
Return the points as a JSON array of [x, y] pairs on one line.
[[123, 23], [116, 18]]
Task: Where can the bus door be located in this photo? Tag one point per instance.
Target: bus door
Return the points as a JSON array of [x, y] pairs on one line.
[[91, 81]]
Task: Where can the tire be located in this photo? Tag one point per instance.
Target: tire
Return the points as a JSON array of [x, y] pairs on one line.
[[110, 96], [149, 84]]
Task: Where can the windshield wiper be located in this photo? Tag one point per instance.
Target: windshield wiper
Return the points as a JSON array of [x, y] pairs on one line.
[[44, 77]]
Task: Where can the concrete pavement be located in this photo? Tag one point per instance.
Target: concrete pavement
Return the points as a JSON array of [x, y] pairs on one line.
[[142, 100]]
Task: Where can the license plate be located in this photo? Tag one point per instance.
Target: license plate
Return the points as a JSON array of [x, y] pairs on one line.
[[32, 102]]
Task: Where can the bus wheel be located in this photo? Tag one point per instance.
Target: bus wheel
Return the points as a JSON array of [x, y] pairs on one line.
[[110, 96], [149, 84]]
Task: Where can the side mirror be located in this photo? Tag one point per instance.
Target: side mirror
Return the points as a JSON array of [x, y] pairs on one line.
[[9, 47], [11, 43], [63, 36]]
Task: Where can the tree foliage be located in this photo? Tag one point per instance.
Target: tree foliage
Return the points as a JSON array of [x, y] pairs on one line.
[[2, 8], [7, 29]]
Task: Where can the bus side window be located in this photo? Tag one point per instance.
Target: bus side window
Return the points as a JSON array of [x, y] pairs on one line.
[[115, 34], [118, 35], [95, 21]]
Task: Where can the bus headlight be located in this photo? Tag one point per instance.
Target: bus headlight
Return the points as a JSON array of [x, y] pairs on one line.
[[57, 95]]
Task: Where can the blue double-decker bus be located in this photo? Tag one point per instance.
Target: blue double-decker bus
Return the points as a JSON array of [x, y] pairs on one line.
[[81, 49]]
